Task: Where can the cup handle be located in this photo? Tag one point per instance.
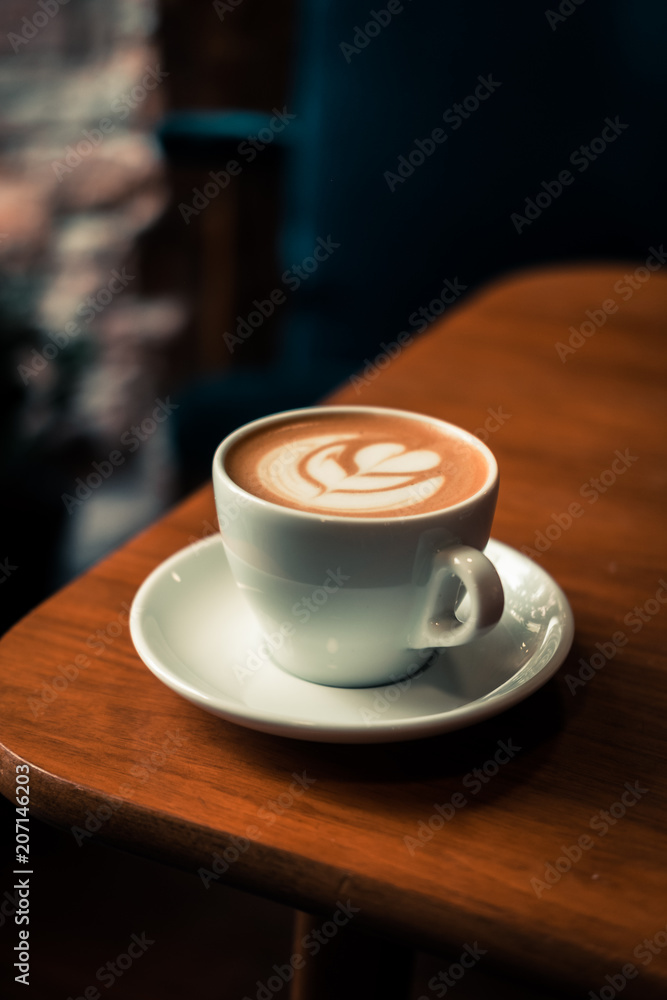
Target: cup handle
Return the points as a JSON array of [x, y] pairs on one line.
[[451, 568]]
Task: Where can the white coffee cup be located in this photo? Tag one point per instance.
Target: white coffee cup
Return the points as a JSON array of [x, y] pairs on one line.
[[359, 601]]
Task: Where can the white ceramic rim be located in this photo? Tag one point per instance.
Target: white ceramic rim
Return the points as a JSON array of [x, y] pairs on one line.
[[285, 415]]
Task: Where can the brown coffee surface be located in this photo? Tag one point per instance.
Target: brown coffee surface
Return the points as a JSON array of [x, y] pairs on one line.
[[357, 465]]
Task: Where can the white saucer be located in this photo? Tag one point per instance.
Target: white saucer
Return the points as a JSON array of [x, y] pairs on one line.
[[191, 627]]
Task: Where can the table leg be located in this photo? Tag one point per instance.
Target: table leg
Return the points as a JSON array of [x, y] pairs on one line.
[[349, 964]]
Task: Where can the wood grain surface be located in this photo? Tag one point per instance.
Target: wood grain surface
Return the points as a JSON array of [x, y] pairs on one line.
[[529, 872]]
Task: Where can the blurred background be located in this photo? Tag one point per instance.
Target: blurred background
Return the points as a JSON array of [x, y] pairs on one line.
[[213, 210]]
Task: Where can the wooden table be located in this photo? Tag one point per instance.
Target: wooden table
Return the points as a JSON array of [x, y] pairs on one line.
[[530, 871]]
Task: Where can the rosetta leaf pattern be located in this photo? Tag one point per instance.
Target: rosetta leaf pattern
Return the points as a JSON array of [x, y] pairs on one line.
[[380, 467]]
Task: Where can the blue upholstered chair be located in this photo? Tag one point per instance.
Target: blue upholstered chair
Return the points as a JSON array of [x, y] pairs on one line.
[[424, 133]]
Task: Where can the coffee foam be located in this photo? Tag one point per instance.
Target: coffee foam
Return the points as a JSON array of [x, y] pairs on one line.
[[357, 465]]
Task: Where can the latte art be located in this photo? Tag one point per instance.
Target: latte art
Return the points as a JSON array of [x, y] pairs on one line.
[[340, 474], [357, 464]]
